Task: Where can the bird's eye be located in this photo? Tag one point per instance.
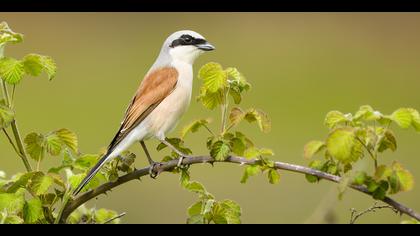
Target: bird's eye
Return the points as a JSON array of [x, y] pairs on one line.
[[188, 39]]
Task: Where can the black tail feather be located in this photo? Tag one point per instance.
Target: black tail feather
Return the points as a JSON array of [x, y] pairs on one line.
[[91, 174]]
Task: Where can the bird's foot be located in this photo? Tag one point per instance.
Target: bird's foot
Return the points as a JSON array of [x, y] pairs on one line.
[[152, 170], [181, 159]]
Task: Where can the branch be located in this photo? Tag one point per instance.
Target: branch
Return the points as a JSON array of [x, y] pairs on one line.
[[355, 215], [167, 166]]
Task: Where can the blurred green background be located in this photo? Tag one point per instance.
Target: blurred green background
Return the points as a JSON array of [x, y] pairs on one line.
[[301, 66]]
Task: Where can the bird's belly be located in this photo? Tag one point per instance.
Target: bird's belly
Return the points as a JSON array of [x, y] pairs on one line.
[[167, 114]]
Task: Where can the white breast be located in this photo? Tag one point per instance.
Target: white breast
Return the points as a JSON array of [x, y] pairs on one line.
[[166, 116]]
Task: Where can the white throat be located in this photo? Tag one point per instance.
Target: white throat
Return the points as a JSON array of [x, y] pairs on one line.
[[186, 54]]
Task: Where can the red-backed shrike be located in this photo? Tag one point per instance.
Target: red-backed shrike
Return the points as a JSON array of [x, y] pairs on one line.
[[162, 98]]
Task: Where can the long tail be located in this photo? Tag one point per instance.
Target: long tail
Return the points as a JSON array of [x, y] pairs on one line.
[[92, 173]]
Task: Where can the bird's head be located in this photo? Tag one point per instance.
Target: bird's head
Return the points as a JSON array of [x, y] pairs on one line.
[[186, 46]]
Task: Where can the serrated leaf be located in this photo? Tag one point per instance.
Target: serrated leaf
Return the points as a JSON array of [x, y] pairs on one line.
[[238, 146], [236, 115], [273, 176], [312, 148], [402, 117], [251, 170], [32, 211], [69, 138], [53, 144], [386, 141], [40, 183], [34, 145], [11, 202], [210, 100], [194, 127], [214, 77], [262, 119], [220, 150], [343, 145], [21, 182], [35, 64], [7, 115], [400, 179], [196, 187], [11, 70], [333, 118]]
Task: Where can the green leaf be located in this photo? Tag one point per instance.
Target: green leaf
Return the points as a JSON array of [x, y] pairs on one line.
[[236, 115], [367, 113], [400, 179], [196, 187], [236, 95], [194, 127], [21, 182], [251, 170], [40, 183], [86, 161], [185, 177], [260, 117], [359, 178], [11, 70], [220, 150], [195, 209], [11, 202], [68, 137], [75, 180], [273, 176], [226, 212], [7, 115], [34, 145], [103, 215], [402, 117], [11, 219], [312, 148], [35, 64], [32, 211], [52, 144], [210, 100], [214, 77], [380, 191], [333, 118], [7, 35], [343, 145], [382, 172], [238, 146], [386, 141], [196, 219]]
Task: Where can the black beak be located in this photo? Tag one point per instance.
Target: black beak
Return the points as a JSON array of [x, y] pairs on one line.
[[206, 46]]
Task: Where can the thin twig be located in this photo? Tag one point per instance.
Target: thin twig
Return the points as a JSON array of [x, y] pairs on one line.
[[114, 218], [355, 215], [11, 141], [170, 165]]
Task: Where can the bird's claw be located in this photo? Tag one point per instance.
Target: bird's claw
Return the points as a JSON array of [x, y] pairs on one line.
[[153, 174]]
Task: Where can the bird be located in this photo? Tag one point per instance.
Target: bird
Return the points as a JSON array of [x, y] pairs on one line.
[[160, 101]]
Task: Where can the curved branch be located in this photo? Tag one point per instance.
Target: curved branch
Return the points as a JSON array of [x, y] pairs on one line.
[[166, 166]]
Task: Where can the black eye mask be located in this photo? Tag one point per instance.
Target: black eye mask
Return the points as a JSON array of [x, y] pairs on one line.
[[187, 40]]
